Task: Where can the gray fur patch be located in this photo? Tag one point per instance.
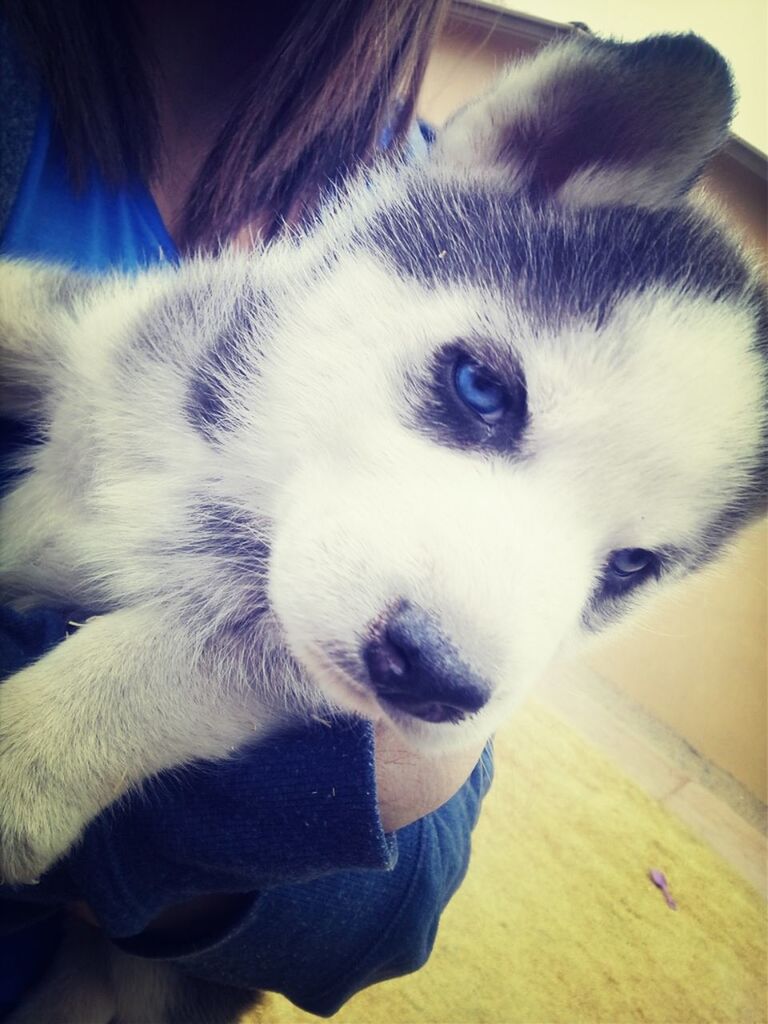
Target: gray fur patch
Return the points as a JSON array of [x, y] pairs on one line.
[[612, 111], [557, 265]]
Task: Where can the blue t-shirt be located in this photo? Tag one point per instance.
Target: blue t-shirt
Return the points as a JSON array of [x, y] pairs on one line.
[[96, 228], [329, 903]]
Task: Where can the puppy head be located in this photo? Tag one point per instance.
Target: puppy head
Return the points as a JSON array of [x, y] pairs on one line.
[[504, 410]]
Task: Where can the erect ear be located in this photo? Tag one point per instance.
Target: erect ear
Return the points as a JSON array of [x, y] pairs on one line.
[[591, 121]]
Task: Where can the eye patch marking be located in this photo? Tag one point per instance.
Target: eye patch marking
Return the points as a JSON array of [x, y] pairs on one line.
[[472, 397], [626, 569], [624, 574]]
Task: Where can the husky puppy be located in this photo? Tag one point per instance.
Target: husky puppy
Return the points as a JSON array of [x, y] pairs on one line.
[[393, 464]]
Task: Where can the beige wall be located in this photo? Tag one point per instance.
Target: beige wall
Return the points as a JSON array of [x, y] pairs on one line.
[[698, 661]]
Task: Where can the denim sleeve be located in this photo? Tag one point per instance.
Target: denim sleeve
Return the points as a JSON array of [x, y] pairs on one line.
[[291, 809], [320, 942]]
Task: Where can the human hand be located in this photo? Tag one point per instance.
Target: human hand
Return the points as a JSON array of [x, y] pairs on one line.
[[412, 784]]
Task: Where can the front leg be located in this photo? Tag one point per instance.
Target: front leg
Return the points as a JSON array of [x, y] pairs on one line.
[[123, 698]]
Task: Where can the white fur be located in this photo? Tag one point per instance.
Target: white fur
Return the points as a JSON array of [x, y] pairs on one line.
[[640, 434]]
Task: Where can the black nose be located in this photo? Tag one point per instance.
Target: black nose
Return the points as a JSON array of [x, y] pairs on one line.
[[415, 668]]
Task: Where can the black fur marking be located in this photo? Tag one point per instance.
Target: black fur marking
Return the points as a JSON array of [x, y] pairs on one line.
[[212, 397], [176, 330], [612, 595], [440, 413], [209, 398], [228, 556], [614, 110], [557, 265], [749, 505], [231, 535]]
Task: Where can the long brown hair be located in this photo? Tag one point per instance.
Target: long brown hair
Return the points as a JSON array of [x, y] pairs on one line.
[[321, 90]]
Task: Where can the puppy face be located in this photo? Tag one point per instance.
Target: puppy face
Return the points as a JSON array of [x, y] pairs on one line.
[[508, 392], [463, 476]]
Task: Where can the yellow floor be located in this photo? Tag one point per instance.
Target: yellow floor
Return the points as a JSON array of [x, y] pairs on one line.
[[557, 921]]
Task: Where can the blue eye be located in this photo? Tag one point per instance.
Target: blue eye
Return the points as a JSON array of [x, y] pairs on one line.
[[479, 390], [631, 561]]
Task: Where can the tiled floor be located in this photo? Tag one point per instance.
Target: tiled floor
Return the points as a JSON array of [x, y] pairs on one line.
[[712, 804]]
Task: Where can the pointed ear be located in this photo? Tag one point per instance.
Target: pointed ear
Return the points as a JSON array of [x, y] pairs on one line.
[[591, 122]]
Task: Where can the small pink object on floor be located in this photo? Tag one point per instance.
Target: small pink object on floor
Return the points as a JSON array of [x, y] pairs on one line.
[[659, 879]]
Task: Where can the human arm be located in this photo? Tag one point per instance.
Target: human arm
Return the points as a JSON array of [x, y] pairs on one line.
[[411, 783], [409, 786], [319, 943], [317, 928]]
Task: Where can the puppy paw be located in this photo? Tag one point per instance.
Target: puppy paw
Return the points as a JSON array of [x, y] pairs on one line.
[[41, 816], [34, 832], [46, 796]]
